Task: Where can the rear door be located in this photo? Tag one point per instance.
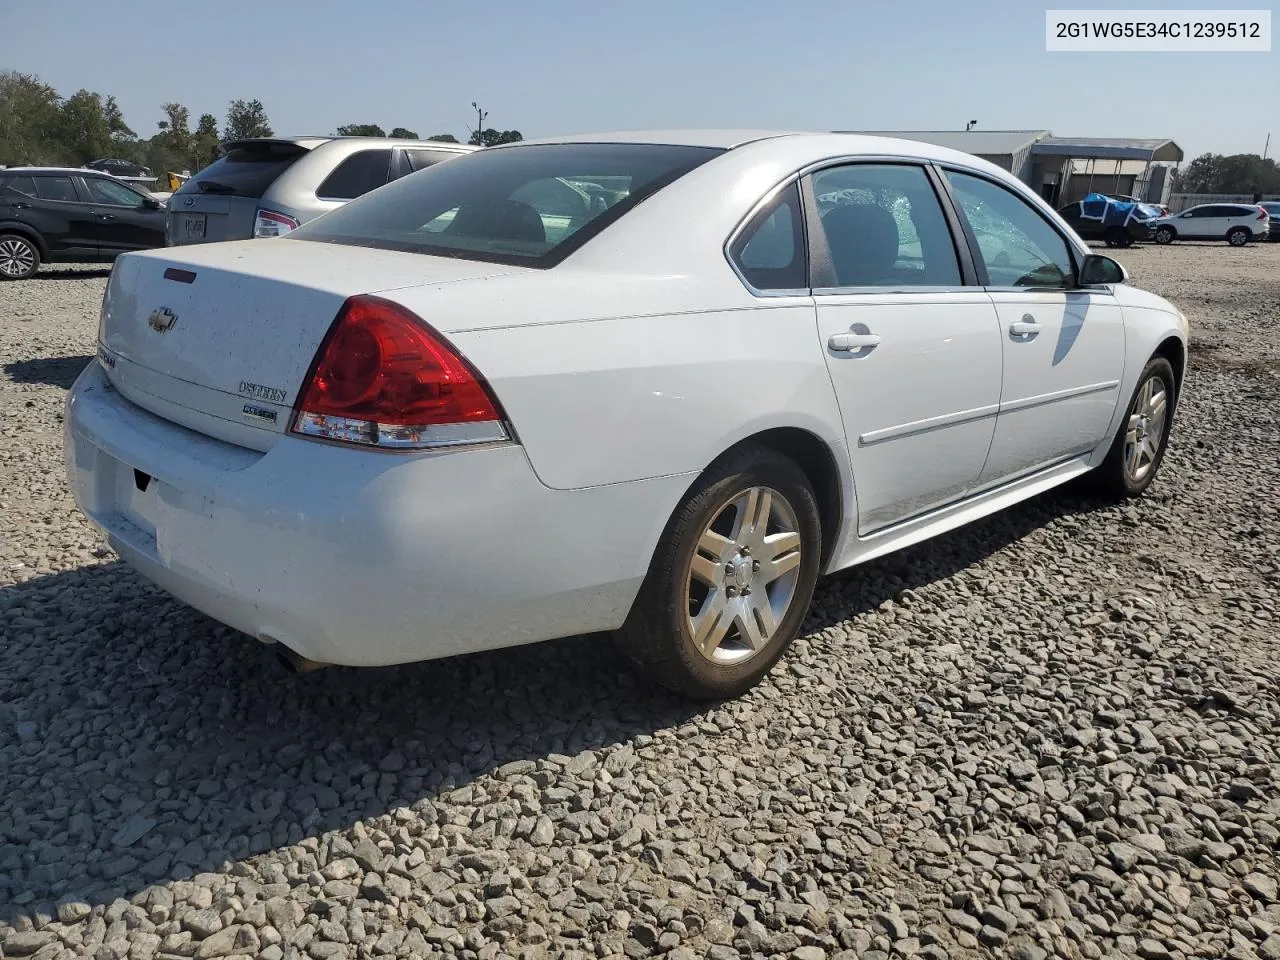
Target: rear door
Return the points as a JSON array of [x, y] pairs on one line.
[[123, 220], [1063, 346], [64, 220], [221, 201], [913, 352]]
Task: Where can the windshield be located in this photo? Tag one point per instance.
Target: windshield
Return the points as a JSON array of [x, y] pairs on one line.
[[529, 205], [245, 170]]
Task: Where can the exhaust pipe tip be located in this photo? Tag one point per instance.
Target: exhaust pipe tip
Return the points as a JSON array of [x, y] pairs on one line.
[[295, 662]]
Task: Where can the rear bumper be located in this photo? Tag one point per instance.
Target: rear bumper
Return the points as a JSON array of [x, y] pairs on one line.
[[356, 557]]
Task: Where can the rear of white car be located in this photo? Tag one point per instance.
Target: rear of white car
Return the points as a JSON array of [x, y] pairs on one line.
[[272, 436]]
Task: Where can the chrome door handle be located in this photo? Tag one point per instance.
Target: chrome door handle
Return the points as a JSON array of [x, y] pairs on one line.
[[1026, 328], [850, 342], [106, 216]]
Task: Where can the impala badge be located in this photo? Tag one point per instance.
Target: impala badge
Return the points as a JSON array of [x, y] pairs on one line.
[[162, 319]]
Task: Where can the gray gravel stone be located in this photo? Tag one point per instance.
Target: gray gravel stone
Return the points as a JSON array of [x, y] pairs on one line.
[[1056, 728]]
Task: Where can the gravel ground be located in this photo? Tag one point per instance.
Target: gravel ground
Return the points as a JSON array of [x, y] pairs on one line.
[[1053, 733]]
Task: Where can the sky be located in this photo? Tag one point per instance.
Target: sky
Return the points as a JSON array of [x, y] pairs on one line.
[[548, 68]]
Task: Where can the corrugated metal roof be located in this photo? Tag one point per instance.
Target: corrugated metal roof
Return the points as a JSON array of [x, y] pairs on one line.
[[982, 142], [1117, 148]]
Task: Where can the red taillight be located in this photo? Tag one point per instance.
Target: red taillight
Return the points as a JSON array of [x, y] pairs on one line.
[[1262, 213], [269, 223], [383, 378]]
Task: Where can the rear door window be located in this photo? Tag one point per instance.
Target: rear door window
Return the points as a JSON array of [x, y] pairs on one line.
[[245, 170], [356, 175], [25, 185], [56, 188]]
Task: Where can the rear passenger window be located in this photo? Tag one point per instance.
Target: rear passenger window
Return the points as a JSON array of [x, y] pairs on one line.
[[884, 227], [25, 185], [356, 175], [56, 188], [770, 251]]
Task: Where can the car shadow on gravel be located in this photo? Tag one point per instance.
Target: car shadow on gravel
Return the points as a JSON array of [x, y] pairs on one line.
[[53, 371], [142, 742]]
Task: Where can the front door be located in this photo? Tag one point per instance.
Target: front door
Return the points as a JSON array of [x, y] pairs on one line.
[[914, 355], [1063, 346]]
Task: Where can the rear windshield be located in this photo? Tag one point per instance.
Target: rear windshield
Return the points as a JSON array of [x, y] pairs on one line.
[[529, 205], [245, 170]]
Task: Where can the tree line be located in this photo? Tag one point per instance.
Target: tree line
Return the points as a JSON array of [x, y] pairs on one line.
[[39, 126], [1238, 173]]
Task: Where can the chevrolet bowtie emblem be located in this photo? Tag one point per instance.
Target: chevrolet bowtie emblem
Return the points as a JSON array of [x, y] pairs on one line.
[[162, 319]]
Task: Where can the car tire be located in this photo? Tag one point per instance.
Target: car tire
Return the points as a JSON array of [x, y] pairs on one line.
[[1165, 235], [1142, 438], [710, 620], [19, 257], [1238, 236]]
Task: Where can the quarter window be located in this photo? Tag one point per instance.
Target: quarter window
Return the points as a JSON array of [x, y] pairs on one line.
[[770, 250], [884, 227], [356, 175], [118, 195], [56, 188], [1018, 246]]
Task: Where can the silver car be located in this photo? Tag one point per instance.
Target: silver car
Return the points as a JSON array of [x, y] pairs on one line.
[[268, 186]]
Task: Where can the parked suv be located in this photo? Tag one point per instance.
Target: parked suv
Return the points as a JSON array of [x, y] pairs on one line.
[[267, 186], [51, 214], [1273, 210], [1237, 223]]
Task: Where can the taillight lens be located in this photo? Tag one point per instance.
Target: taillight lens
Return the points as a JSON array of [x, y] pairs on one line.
[[268, 223], [383, 378], [1262, 213]]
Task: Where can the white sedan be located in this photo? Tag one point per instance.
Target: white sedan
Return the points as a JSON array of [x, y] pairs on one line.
[[649, 384]]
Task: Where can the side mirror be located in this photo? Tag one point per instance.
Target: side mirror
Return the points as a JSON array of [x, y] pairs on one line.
[[151, 203], [1099, 271]]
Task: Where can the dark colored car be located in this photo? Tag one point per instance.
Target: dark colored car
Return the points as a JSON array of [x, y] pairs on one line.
[[120, 168], [53, 214], [1273, 209], [1113, 236]]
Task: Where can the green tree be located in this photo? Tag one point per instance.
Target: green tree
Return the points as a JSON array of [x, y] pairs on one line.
[[83, 127], [443, 138], [490, 137], [30, 111], [204, 142], [246, 118], [1238, 173], [119, 130], [404, 133], [361, 130]]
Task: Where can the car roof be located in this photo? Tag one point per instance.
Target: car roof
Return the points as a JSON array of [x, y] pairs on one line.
[[310, 143], [852, 144], [30, 170]]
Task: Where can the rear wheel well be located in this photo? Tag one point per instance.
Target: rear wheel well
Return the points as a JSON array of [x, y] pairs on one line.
[[814, 457], [27, 234]]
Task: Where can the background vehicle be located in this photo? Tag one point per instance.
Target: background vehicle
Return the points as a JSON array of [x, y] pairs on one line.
[[1122, 231], [445, 409], [1273, 211], [265, 187], [1237, 223], [50, 214], [1148, 209], [120, 168]]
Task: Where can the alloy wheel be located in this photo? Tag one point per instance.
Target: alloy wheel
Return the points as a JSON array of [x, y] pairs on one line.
[[742, 576], [1145, 433], [17, 257]]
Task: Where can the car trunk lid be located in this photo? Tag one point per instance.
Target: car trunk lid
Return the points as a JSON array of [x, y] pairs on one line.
[[220, 338]]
